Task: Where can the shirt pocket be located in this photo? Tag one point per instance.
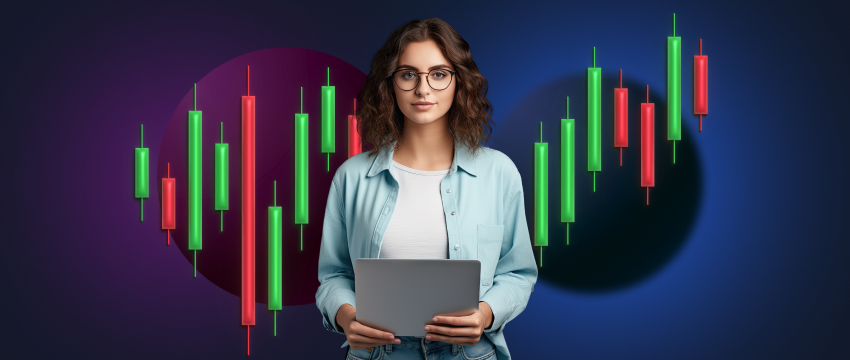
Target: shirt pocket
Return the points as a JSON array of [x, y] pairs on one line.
[[489, 250]]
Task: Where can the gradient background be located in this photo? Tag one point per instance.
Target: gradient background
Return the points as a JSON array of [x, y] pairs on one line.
[[762, 274]]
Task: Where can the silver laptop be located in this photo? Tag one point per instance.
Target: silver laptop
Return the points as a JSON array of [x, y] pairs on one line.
[[403, 295]]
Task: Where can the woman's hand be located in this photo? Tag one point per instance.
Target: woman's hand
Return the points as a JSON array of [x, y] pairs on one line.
[[463, 330], [361, 336]]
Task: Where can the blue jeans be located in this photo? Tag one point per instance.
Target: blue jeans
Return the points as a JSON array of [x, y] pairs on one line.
[[418, 348]]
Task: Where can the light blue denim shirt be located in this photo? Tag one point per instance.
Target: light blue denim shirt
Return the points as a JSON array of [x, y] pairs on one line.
[[485, 220]]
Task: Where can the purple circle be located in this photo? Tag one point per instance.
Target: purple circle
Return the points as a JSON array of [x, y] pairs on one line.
[[277, 76]]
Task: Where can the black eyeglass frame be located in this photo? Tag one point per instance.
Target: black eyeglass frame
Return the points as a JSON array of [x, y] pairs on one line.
[[419, 78]]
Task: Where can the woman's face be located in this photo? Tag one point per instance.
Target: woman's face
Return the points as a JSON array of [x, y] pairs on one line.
[[422, 56]]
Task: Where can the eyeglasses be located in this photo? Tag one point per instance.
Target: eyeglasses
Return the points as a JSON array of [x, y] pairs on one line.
[[438, 79]]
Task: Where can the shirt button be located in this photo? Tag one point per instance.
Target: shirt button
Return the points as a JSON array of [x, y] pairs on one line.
[[448, 190], [453, 212], [457, 246]]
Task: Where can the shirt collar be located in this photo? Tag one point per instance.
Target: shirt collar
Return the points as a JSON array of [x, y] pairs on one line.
[[462, 158]]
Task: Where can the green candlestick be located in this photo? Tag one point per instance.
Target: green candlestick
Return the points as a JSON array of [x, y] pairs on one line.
[[142, 162], [674, 88], [301, 168], [594, 119], [568, 171], [275, 262], [222, 189], [541, 194], [328, 116], [195, 176]]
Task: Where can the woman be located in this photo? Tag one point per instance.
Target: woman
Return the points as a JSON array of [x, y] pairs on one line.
[[427, 190]]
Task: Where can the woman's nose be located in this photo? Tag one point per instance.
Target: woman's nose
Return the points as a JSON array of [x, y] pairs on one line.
[[423, 88]]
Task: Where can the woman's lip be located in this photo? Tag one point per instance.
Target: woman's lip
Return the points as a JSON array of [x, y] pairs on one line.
[[423, 106]]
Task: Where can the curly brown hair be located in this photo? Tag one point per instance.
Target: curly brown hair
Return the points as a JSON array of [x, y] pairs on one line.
[[381, 121]]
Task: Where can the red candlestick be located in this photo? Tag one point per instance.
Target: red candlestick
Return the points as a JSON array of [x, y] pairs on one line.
[[700, 85], [354, 145], [169, 212], [621, 117], [248, 132], [647, 145]]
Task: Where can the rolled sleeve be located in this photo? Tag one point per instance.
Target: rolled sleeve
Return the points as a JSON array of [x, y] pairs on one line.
[[336, 275], [516, 272]]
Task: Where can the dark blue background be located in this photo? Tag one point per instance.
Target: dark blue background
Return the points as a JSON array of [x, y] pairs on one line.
[[763, 274]]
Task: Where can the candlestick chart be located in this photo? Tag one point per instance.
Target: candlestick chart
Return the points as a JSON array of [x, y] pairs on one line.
[[266, 107], [615, 217]]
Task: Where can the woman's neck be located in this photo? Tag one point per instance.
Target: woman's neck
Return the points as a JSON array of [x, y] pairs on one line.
[[427, 147]]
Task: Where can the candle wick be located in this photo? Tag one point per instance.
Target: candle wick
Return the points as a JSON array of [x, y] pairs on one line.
[[541, 131], [248, 82]]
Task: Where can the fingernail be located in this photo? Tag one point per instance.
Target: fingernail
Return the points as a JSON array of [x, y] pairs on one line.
[[435, 318], [389, 336], [427, 337], [396, 341], [427, 328]]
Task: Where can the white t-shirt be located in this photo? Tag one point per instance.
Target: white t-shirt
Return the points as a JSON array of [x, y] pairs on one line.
[[417, 229]]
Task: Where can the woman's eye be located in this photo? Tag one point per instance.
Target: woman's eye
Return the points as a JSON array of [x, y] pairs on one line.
[[439, 75], [408, 75]]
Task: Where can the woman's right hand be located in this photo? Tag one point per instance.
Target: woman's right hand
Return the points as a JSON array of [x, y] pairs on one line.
[[361, 336]]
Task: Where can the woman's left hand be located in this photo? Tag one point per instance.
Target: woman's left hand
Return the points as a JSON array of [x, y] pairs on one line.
[[463, 330]]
